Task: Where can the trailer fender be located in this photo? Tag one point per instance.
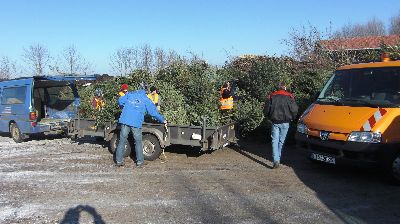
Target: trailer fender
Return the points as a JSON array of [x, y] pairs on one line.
[[109, 131], [158, 134]]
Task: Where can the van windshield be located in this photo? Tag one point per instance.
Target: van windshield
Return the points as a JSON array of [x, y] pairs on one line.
[[371, 87]]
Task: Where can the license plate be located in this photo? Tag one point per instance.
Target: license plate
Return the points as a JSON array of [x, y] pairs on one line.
[[323, 158]]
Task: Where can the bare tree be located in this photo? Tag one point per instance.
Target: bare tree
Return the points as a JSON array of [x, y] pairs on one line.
[[394, 26], [71, 62], [173, 56], [308, 46], [146, 58], [124, 61], [7, 68], [38, 57], [160, 59], [373, 27], [303, 43]]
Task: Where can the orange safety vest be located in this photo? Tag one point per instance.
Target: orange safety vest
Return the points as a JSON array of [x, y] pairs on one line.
[[225, 103], [98, 103]]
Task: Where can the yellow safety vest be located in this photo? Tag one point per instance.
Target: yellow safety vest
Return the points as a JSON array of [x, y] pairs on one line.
[[121, 93], [153, 98], [225, 103]]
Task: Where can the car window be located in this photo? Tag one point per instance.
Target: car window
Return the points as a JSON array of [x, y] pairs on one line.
[[14, 95]]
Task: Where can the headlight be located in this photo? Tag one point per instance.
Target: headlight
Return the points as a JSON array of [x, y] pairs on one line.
[[302, 128], [365, 136]]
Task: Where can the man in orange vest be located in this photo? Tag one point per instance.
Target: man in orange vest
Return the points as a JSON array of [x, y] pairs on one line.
[[98, 100], [124, 90], [226, 98]]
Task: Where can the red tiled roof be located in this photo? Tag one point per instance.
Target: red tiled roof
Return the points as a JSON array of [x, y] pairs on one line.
[[359, 43]]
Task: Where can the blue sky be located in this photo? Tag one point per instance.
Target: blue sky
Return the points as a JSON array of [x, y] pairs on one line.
[[214, 29]]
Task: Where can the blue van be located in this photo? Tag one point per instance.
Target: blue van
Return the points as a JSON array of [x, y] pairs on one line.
[[40, 104]]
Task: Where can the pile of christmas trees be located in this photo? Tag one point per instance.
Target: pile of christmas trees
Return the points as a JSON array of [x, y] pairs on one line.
[[188, 91]]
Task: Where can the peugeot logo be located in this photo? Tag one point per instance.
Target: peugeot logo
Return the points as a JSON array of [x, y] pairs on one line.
[[324, 135]]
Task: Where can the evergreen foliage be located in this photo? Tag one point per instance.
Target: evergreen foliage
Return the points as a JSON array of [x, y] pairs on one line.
[[190, 90]]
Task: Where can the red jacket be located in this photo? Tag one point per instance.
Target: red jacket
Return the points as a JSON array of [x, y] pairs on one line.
[[281, 92]]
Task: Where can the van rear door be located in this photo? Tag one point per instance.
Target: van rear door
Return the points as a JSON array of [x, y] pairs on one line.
[[55, 100]]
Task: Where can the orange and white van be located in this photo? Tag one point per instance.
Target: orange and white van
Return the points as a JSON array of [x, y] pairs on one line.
[[356, 117]]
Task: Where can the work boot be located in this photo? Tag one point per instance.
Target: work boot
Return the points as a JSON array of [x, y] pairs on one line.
[[276, 165], [141, 165], [119, 164]]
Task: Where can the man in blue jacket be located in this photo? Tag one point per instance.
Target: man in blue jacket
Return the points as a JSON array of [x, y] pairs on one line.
[[135, 105]]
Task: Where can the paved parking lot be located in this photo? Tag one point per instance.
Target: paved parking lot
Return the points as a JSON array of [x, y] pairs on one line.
[[61, 181]]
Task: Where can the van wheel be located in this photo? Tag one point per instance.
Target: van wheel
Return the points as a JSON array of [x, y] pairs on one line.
[[151, 147], [395, 171], [114, 143], [16, 134]]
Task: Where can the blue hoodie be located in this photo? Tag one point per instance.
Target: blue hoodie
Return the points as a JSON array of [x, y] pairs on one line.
[[135, 105]]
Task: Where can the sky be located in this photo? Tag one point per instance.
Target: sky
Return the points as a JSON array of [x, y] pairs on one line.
[[212, 29]]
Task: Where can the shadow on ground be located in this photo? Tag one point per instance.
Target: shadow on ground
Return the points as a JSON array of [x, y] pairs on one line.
[[72, 216], [186, 150], [356, 193]]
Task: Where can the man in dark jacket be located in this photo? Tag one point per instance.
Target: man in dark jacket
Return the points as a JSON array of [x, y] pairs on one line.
[[280, 109]]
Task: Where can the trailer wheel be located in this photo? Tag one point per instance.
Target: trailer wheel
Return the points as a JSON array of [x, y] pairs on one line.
[[151, 147], [16, 134], [114, 143], [395, 171]]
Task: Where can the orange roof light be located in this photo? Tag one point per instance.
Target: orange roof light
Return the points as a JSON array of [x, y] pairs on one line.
[[385, 57]]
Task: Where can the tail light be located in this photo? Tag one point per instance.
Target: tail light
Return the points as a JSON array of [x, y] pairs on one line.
[[32, 116], [385, 57]]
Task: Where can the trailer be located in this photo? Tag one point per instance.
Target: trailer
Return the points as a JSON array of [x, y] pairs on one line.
[[156, 137]]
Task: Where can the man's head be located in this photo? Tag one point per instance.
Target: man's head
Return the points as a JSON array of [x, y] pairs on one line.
[[98, 93], [226, 85], [153, 90], [124, 87]]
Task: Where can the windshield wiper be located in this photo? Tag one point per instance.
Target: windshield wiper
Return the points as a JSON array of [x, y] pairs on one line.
[[329, 98], [360, 101]]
